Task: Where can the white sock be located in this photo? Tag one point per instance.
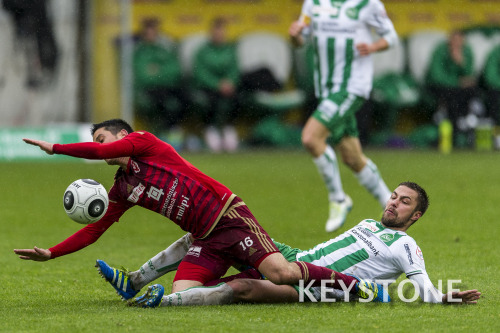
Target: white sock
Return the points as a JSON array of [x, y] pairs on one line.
[[230, 139], [166, 261], [213, 139], [370, 178], [328, 168], [216, 295]]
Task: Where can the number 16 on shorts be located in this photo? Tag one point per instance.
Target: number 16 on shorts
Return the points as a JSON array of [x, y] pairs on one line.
[[246, 243]]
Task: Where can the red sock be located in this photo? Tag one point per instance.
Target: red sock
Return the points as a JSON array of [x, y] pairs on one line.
[[312, 272], [248, 274]]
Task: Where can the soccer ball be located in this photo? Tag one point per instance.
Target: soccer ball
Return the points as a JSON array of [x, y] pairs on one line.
[[85, 201]]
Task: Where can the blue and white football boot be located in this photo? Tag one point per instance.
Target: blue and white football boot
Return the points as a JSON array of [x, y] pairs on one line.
[[367, 289], [151, 299], [119, 279]]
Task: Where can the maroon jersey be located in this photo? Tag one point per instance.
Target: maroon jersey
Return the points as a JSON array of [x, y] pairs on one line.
[[180, 197], [157, 178]]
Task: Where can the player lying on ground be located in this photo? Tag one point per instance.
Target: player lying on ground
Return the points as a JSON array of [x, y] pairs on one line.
[[153, 175], [372, 250]]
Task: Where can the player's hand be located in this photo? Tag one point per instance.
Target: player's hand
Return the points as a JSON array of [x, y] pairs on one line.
[[35, 254], [226, 88], [364, 49], [296, 28], [44, 145], [462, 297]]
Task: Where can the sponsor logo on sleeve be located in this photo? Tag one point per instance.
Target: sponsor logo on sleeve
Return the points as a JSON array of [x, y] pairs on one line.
[[419, 253], [194, 251], [408, 253], [135, 167]]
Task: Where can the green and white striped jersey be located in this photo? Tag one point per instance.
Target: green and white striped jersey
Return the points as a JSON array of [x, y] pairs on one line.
[[369, 250], [336, 27]]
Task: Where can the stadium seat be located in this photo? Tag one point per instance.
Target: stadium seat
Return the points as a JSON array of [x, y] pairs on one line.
[[394, 89], [187, 50], [392, 60], [263, 50], [420, 46], [266, 58], [481, 46], [188, 46]]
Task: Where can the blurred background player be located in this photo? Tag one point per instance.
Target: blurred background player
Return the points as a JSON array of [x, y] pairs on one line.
[[341, 35], [490, 81], [158, 82], [217, 75], [450, 78]]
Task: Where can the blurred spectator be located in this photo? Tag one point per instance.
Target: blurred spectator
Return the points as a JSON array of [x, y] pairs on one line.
[[491, 83], [450, 79], [34, 32], [216, 74], [159, 99]]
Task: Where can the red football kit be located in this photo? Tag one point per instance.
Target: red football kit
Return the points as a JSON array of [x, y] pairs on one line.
[[159, 179]]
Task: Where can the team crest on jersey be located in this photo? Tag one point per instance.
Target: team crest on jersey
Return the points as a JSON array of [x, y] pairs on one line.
[[352, 13], [419, 253], [386, 238], [135, 167]]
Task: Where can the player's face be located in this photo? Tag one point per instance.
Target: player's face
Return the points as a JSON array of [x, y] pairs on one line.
[[400, 210], [104, 136]]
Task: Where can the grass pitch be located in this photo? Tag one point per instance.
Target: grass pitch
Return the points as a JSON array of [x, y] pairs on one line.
[[458, 236]]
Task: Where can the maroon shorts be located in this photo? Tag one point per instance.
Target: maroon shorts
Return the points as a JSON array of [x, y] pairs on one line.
[[237, 238]]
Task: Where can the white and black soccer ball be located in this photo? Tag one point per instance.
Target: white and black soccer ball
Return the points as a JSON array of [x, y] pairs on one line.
[[85, 201]]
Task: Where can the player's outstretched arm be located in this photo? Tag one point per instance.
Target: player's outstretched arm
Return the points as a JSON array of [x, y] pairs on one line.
[[365, 49], [44, 145], [295, 31], [462, 297], [35, 254]]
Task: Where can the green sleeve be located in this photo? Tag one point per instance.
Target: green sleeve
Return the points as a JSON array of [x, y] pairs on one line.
[[213, 64], [287, 251], [468, 68], [438, 73], [202, 72], [492, 69], [155, 66], [233, 73], [443, 71]]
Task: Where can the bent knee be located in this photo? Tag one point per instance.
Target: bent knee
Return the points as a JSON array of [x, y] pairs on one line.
[[281, 277], [242, 289], [314, 145], [308, 141]]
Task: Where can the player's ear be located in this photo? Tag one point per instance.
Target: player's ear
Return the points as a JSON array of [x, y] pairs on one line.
[[123, 133], [416, 216]]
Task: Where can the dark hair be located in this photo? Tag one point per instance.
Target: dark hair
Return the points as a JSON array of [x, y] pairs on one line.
[[112, 125], [218, 22], [150, 22], [423, 198]]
